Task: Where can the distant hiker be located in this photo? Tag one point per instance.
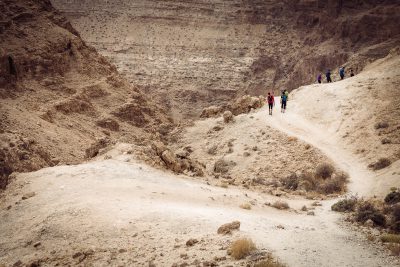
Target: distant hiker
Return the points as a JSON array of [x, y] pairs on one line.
[[271, 102], [351, 73], [319, 78], [284, 99], [341, 73], [328, 76]]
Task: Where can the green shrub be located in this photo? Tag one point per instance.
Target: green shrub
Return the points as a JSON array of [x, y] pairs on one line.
[[366, 211], [345, 205], [392, 197]]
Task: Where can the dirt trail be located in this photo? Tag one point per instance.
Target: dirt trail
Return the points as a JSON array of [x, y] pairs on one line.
[[361, 179]]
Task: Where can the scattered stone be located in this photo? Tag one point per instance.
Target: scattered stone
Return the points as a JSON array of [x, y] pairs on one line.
[[37, 244], [311, 213], [28, 195], [369, 223], [217, 128], [209, 264], [223, 258], [246, 154], [304, 208], [191, 242], [228, 116], [228, 228], [316, 204], [280, 226], [122, 250]]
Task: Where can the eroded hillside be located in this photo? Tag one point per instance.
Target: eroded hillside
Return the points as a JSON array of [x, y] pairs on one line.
[[192, 54], [60, 100]]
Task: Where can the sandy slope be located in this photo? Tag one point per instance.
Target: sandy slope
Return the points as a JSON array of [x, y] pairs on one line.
[[113, 206]]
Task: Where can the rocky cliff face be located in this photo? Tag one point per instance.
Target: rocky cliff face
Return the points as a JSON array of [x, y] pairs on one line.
[[192, 54], [60, 101]]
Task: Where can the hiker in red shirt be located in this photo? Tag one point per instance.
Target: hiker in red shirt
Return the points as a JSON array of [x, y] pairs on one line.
[[271, 102]]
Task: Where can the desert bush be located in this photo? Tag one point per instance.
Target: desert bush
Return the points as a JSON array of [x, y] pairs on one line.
[[366, 211], [280, 205], [290, 182], [324, 170], [245, 206], [381, 125], [380, 164], [393, 197], [395, 218], [390, 238], [241, 248], [345, 205]]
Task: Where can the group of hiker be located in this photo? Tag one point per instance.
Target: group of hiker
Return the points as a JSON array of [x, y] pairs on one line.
[[285, 93], [271, 101], [328, 74]]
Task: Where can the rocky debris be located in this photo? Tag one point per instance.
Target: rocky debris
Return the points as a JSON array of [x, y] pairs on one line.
[[246, 103], [94, 149], [132, 113], [311, 213], [28, 195], [223, 166], [211, 111], [228, 228], [109, 124], [191, 242], [179, 162], [228, 116], [19, 154], [209, 264]]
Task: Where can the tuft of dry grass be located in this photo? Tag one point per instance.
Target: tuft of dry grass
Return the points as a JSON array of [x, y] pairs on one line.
[[245, 206], [390, 238], [280, 205], [380, 164], [241, 248]]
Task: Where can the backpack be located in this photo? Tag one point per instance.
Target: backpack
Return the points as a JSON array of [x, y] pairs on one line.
[[270, 99], [284, 97]]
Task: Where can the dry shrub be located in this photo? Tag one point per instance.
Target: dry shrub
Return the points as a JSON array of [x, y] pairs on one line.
[[390, 238], [308, 181], [290, 182], [280, 205], [333, 185], [245, 206], [367, 210], [324, 170], [381, 125], [241, 248], [345, 205], [380, 164]]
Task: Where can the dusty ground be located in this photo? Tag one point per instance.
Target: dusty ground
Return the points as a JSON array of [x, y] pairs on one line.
[[121, 212]]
